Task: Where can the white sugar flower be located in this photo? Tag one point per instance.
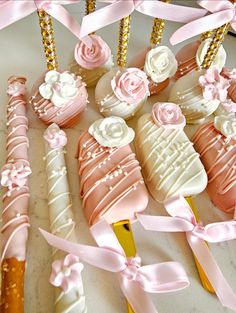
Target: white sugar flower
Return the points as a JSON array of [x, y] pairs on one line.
[[60, 88]]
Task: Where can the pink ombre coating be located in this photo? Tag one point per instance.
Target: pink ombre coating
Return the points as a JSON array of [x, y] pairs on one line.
[[218, 155], [139, 61], [111, 184], [232, 91], [186, 58], [66, 116], [15, 220]]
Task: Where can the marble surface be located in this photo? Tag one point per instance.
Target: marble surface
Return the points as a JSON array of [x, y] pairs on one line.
[[21, 53]]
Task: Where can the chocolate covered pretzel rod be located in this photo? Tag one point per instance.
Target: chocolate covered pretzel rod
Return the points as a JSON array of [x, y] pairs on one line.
[[15, 220], [69, 296]]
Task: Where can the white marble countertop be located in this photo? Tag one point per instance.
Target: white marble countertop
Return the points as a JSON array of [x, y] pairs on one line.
[[21, 53]]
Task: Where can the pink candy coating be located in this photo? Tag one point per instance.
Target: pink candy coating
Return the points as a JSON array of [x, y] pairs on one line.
[[168, 115], [94, 57], [111, 184], [218, 155], [65, 116]]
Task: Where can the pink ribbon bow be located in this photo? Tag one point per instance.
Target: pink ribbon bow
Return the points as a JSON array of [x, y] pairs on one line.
[[122, 8], [183, 220], [12, 11], [135, 280], [223, 11]]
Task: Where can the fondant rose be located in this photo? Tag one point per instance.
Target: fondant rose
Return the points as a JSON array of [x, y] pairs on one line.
[[55, 137], [16, 89], [93, 57], [229, 73], [111, 132], [214, 85], [219, 60], [66, 273], [130, 85], [168, 115], [14, 174], [226, 125], [60, 88], [160, 64]]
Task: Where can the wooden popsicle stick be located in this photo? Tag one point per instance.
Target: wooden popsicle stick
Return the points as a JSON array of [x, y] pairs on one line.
[[205, 282], [125, 237]]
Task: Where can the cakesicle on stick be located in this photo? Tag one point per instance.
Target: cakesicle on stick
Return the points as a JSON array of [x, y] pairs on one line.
[[69, 294], [111, 183], [15, 219], [169, 162]]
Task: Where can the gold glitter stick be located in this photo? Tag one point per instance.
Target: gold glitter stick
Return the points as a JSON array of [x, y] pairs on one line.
[[47, 32], [124, 35], [216, 42], [90, 6], [157, 29], [206, 35]]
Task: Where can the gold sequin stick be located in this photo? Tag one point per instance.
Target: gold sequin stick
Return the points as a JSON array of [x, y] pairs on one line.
[[123, 42], [90, 6], [157, 29], [216, 42], [47, 32]]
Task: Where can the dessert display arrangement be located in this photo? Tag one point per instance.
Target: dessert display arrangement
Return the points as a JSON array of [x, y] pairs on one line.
[[125, 148]]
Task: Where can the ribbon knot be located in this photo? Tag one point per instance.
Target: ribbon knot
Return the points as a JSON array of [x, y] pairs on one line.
[[136, 281], [222, 12], [131, 271], [12, 11], [182, 219]]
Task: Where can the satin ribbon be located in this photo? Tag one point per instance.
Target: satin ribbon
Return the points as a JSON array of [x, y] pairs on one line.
[[135, 280], [122, 8], [11, 11], [183, 220], [222, 12]]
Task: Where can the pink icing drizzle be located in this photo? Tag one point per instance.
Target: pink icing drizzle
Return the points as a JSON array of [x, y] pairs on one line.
[[15, 200], [66, 116], [110, 181], [218, 155]]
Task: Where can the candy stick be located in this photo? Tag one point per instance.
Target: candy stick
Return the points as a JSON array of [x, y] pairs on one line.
[[157, 29], [47, 32], [15, 200], [216, 42], [61, 215], [124, 34], [90, 6], [206, 35]]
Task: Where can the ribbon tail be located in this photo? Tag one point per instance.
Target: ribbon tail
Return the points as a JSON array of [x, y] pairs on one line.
[[222, 289], [59, 13], [13, 11], [201, 25], [139, 300], [171, 12], [105, 16]]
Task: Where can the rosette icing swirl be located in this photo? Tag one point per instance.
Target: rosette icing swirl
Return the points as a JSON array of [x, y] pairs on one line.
[[14, 175], [90, 58], [69, 298]]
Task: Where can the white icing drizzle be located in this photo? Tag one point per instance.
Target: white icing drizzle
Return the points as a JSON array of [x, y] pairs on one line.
[[15, 220], [171, 166], [112, 175], [62, 222]]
